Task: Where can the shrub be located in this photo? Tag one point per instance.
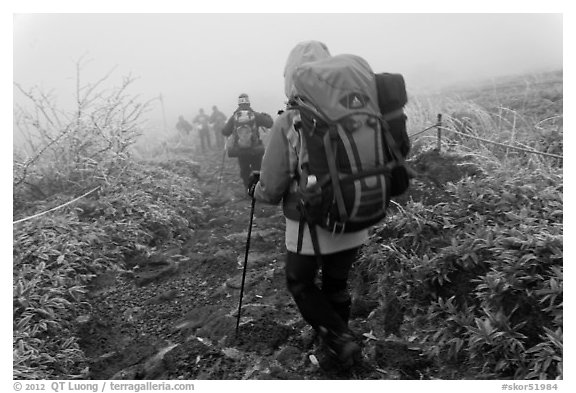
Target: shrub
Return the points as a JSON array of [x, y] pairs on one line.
[[60, 152], [56, 255], [479, 276]]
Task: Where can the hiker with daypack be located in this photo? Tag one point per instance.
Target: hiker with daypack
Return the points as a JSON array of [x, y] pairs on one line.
[[242, 130], [217, 121], [329, 160], [201, 122]]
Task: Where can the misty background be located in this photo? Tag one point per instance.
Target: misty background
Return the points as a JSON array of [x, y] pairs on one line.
[[199, 60]]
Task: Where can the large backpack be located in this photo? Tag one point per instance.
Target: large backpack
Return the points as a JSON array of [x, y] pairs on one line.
[[349, 152], [245, 138]]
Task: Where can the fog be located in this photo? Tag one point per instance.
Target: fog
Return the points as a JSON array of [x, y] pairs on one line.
[[199, 60]]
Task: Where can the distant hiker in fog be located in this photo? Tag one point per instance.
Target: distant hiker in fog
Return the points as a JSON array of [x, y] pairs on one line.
[[201, 122], [183, 126], [245, 143], [218, 120]]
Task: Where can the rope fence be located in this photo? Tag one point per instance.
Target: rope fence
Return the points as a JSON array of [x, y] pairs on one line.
[[424, 130], [57, 207], [439, 129]]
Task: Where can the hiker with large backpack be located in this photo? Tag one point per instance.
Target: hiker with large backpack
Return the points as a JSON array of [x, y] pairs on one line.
[[242, 130], [330, 161]]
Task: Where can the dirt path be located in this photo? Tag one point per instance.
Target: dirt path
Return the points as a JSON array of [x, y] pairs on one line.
[[172, 315]]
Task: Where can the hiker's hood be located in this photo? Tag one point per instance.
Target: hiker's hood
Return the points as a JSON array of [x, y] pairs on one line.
[[304, 52]]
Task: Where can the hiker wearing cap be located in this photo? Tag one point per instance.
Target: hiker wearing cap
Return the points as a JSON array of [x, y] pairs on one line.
[[201, 121], [330, 130], [242, 130]]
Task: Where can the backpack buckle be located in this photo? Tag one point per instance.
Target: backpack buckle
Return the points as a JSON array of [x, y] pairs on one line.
[[338, 228]]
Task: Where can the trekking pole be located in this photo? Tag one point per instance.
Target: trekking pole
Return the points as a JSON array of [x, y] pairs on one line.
[[439, 132], [245, 264], [221, 171]]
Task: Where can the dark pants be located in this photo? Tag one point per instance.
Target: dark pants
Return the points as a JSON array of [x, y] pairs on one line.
[[248, 163], [329, 305]]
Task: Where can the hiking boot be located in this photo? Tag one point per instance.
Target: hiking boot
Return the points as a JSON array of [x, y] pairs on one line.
[[340, 347]]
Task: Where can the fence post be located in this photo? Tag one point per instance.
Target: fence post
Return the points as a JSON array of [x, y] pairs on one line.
[[439, 129]]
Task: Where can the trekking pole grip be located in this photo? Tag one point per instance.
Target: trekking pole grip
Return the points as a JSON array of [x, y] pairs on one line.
[[245, 264]]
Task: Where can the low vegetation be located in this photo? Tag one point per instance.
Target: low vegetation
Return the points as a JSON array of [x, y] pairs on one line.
[[469, 263]]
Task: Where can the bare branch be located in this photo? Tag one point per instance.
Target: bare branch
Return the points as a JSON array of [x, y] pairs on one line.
[[68, 149]]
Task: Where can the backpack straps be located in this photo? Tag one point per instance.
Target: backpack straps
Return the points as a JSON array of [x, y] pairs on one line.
[[392, 146], [301, 224], [315, 243], [313, 237], [330, 146]]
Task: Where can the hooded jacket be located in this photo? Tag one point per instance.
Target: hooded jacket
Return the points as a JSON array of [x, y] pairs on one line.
[[280, 171]]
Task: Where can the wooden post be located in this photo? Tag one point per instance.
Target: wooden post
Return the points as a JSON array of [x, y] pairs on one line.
[[438, 126], [513, 136]]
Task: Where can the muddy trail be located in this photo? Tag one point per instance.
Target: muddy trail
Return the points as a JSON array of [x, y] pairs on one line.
[[171, 315]]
